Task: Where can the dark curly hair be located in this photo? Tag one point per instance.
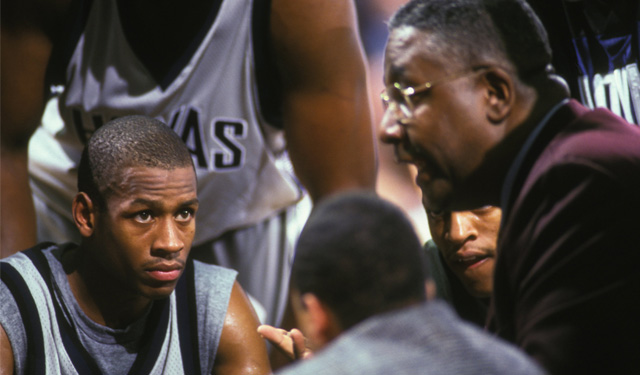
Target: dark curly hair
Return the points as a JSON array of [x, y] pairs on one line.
[[127, 142], [360, 255]]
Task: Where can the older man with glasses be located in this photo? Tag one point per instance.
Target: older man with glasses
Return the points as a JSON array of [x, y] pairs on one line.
[[499, 129]]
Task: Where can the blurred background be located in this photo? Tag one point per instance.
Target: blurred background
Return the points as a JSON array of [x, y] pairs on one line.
[[395, 181]]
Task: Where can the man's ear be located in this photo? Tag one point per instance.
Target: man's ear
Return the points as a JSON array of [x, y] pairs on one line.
[[323, 326], [500, 94], [83, 210]]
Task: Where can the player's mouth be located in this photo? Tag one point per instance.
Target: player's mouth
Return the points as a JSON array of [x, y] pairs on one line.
[[165, 271], [469, 260], [472, 262]]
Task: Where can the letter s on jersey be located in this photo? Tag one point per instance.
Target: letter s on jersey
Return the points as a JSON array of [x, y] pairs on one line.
[[225, 152], [227, 132]]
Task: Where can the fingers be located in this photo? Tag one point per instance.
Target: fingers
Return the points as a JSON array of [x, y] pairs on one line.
[[273, 334], [279, 338], [299, 342], [293, 344]]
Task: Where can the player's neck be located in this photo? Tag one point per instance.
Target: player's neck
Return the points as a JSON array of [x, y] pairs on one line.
[[102, 299]]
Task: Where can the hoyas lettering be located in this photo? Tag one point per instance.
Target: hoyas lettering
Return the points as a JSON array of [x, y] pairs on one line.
[[618, 90], [226, 153]]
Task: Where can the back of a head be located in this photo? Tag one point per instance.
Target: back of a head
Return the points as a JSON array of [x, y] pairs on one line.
[[476, 32], [359, 255], [130, 141]]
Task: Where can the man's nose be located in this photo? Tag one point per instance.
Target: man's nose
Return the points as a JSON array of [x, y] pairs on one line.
[[390, 130], [168, 237], [462, 227]]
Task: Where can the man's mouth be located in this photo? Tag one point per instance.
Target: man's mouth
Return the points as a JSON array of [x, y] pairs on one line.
[[469, 260], [165, 275], [165, 271], [402, 155], [423, 161], [472, 262]]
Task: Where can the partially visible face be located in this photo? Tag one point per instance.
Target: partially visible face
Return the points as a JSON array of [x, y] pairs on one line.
[[144, 236], [307, 319], [467, 241], [447, 135], [301, 314]]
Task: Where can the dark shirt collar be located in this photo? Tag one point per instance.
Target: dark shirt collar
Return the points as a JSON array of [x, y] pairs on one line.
[[516, 165]]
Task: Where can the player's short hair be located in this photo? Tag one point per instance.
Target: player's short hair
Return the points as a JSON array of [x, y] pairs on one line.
[[130, 141], [472, 32], [360, 255]]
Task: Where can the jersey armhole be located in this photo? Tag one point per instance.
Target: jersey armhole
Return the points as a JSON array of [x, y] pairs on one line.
[[65, 43], [268, 86]]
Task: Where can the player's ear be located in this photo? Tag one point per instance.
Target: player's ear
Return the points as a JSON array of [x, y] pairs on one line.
[[83, 211], [323, 326], [499, 93]]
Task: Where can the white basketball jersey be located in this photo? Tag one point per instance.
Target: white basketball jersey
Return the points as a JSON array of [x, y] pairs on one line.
[[211, 101]]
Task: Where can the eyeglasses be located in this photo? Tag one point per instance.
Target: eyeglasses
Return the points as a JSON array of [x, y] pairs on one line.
[[397, 97]]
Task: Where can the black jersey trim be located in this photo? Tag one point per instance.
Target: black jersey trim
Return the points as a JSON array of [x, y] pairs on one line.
[[187, 317], [80, 357], [195, 43], [156, 328], [65, 43], [156, 325], [29, 314], [268, 85]]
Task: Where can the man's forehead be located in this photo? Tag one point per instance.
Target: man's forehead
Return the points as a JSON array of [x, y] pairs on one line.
[[406, 35], [406, 48], [402, 43], [146, 180]]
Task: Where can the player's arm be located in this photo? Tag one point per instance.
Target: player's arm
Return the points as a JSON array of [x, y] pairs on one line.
[[241, 349], [326, 109], [26, 37], [6, 354]]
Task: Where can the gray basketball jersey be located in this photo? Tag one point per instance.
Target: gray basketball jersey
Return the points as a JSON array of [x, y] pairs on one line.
[[51, 334], [210, 99]]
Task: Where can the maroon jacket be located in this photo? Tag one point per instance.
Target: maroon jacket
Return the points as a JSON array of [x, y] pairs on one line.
[[567, 278]]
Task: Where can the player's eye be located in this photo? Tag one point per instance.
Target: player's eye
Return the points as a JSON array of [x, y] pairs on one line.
[[483, 210], [143, 217], [184, 215], [436, 215]]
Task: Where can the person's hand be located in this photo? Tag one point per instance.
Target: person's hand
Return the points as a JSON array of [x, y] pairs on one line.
[[291, 343]]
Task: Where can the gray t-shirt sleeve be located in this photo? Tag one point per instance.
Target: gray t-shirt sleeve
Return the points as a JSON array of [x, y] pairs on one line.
[[213, 290]]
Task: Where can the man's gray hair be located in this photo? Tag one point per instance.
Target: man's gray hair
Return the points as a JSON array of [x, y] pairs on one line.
[[476, 32]]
